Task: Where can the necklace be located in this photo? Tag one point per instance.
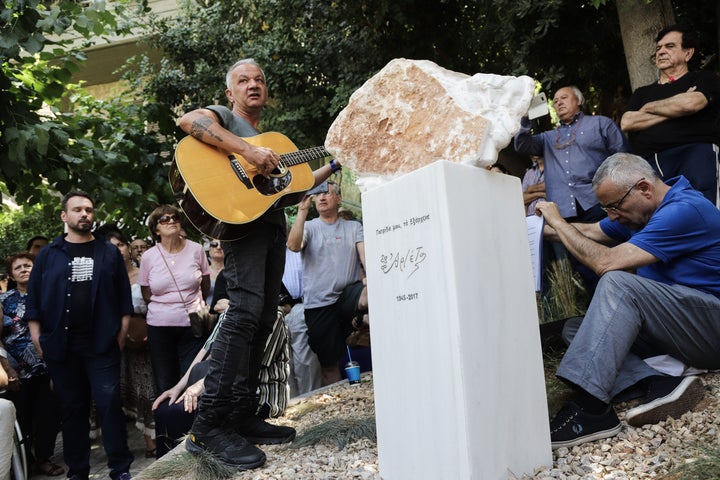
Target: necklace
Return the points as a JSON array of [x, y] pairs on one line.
[[672, 78], [173, 249], [573, 132]]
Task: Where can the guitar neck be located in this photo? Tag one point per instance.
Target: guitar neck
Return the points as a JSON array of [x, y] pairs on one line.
[[303, 156]]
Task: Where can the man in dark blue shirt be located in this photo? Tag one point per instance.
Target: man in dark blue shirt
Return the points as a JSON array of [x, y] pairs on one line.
[[78, 309], [658, 254]]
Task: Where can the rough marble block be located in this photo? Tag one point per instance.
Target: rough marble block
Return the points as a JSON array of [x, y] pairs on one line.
[[457, 362]]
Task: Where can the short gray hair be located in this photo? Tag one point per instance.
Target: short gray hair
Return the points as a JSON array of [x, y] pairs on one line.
[[578, 95], [244, 61], [336, 187], [624, 170]]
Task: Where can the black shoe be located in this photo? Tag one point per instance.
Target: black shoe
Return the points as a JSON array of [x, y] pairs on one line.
[[261, 432], [229, 447], [263, 411], [573, 426], [667, 397]]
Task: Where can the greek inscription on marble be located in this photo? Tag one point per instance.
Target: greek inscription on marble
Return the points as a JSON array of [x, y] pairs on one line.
[[410, 222]]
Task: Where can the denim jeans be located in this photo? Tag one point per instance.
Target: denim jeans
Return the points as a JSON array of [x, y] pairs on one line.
[[172, 422], [631, 318], [75, 378], [253, 269]]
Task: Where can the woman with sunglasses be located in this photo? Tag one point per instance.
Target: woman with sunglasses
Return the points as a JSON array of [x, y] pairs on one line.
[[174, 279], [217, 263]]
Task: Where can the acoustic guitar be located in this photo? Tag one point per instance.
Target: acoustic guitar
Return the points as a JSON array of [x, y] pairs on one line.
[[221, 193]]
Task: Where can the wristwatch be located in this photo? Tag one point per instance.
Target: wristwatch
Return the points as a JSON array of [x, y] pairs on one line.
[[334, 166]]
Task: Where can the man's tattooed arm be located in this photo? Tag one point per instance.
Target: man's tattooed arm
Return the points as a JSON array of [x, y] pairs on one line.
[[201, 126]]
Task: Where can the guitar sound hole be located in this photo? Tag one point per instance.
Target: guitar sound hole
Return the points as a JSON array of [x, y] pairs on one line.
[[274, 184]]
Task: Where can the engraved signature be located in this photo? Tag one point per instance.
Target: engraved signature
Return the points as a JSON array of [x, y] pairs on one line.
[[410, 260]]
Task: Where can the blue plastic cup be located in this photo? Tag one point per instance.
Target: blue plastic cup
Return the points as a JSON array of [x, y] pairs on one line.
[[352, 370]]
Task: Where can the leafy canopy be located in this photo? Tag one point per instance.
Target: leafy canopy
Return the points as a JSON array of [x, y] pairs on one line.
[[56, 138]]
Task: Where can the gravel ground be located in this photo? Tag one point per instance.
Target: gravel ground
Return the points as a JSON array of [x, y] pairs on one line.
[[653, 451]]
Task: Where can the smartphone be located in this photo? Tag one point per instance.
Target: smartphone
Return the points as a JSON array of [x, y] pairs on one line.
[[538, 106]]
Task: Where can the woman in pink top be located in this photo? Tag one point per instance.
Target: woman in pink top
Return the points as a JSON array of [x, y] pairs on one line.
[[174, 278]]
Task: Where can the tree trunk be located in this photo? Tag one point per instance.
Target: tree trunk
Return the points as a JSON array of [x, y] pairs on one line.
[[640, 20]]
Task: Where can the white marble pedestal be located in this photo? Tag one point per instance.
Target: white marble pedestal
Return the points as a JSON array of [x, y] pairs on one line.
[[457, 363]]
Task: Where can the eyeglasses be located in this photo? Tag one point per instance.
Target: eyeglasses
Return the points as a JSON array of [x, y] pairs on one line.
[[614, 207], [139, 248], [165, 219], [214, 244]]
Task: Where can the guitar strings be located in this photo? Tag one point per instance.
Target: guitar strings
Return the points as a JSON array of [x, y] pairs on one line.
[[303, 156]]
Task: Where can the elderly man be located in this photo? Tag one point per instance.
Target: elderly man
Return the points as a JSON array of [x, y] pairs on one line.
[[673, 123], [137, 248], [669, 235], [572, 153]]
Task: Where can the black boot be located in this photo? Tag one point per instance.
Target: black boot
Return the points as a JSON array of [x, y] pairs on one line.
[[258, 431], [207, 435]]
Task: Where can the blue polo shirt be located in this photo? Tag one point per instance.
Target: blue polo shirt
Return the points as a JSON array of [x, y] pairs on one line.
[[683, 234]]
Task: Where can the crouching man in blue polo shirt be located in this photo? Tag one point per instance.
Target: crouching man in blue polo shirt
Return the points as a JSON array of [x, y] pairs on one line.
[[658, 255]]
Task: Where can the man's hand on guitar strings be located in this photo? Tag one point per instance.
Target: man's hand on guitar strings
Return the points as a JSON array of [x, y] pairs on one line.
[[264, 159]]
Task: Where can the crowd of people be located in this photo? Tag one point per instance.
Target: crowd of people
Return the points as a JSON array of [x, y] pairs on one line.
[[94, 322], [137, 354], [639, 219], [146, 364]]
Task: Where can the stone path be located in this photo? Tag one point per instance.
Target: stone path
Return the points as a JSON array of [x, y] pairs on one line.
[[98, 460]]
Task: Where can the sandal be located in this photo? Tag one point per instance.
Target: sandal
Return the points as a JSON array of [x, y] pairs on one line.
[[151, 453], [49, 468]]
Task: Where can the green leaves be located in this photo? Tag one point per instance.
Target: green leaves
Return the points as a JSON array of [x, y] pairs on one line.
[[54, 136]]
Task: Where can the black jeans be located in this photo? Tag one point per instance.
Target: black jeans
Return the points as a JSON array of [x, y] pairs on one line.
[[698, 162], [254, 267], [172, 350], [38, 415], [172, 422]]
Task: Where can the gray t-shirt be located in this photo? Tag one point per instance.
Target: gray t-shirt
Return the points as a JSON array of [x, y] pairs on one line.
[[330, 260], [235, 123]]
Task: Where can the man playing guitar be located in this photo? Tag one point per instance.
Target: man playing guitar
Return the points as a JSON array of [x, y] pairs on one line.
[[226, 424]]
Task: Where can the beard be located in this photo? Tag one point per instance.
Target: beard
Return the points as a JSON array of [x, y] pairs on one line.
[[82, 226]]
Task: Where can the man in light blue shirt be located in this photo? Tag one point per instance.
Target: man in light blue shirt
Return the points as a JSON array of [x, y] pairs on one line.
[[572, 152]]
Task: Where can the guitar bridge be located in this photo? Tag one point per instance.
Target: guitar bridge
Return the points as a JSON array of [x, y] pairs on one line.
[[240, 171]]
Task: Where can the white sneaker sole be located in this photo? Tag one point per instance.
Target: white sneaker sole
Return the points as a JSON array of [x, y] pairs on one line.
[[682, 399], [611, 432]]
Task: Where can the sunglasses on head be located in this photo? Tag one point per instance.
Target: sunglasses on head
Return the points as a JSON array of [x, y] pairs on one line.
[[165, 219]]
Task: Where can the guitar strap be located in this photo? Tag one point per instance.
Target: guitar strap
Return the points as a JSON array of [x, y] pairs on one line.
[[177, 287]]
